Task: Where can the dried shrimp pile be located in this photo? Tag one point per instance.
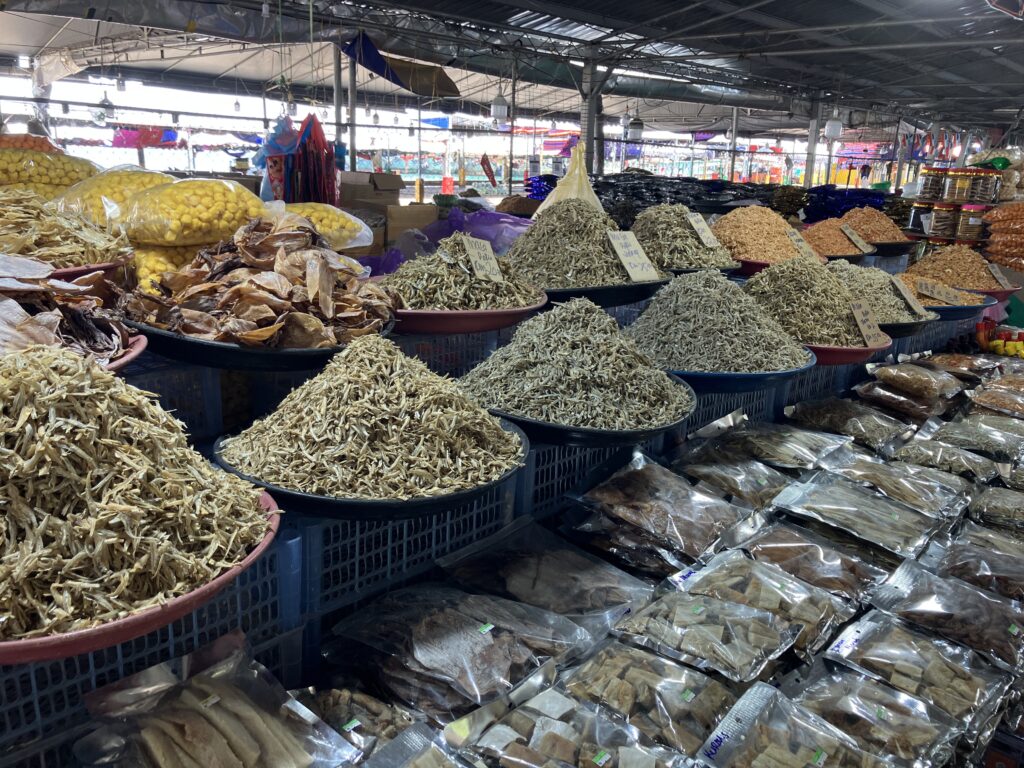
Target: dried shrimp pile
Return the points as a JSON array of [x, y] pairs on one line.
[[568, 247], [808, 301], [876, 289], [827, 239], [754, 233], [107, 510], [376, 425], [956, 266], [31, 228], [966, 299], [705, 322], [873, 225], [573, 366], [670, 241], [446, 280]]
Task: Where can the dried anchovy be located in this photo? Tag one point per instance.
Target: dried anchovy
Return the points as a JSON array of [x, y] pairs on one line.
[[568, 247], [755, 233], [376, 424], [107, 510], [446, 280], [705, 322], [808, 301], [876, 289], [670, 241], [573, 366], [864, 424]]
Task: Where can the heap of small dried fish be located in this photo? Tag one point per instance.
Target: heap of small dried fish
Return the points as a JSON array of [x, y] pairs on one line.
[[705, 322], [808, 301], [965, 298], [670, 241], [873, 225], [107, 510], [574, 366], [446, 280], [876, 289], [756, 234], [958, 266], [31, 228], [828, 239], [36, 309], [568, 247], [376, 425], [273, 286]]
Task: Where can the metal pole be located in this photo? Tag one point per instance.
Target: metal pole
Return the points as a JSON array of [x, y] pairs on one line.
[[512, 124], [337, 94], [352, 109], [587, 113], [732, 142], [965, 149], [899, 155], [812, 144], [419, 149]]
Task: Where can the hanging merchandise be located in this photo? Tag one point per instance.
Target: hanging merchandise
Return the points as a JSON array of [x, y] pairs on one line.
[[311, 176]]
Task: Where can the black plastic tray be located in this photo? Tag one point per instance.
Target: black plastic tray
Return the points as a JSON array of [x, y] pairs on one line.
[[715, 383], [962, 312], [311, 505], [894, 248], [219, 354], [903, 330], [606, 295]]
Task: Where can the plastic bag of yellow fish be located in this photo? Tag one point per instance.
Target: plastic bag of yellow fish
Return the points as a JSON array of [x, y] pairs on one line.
[[339, 229], [28, 166], [105, 197]]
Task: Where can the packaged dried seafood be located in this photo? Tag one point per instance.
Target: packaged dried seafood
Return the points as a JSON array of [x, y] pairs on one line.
[[104, 199], [443, 651], [528, 563], [338, 228], [1011, 381], [364, 721], [732, 576], [446, 281], [553, 730], [850, 507], [745, 480], [669, 703], [999, 573], [28, 166], [767, 730], [645, 512], [734, 640], [998, 400], [573, 366], [1001, 507], [948, 458], [396, 431], [107, 472], [995, 421], [705, 322], [991, 625], [949, 676], [1004, 542], [883, 721], [191, 212], [416, 747], [781, 445], [955, 483], [914, 408], [864, 424], [979, 437], [755, 233], [965, 367], [273, 286], [671, 242], [808, 557], [918, 381]]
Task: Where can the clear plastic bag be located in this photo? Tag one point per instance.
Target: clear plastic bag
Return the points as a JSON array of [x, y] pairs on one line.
[[340, 229], [886, 397], [978, 565], [574, 185], [995, 421], [364, 721], [918, 381], [443, 651], [748, 481], [667, 702], [1002, 542], [1011, 381], [864, 424], [104, 199], [871, 517], [528, 563], [948, 458], [991, 625], [999, 400], [780, 445], [949, 676], [979, 437], [734, 640], [416, 747], [191, 212], [966, 367], [767, 730], [955, 483], [1001, 507], [883, 721], [29, 166], [732, 576]]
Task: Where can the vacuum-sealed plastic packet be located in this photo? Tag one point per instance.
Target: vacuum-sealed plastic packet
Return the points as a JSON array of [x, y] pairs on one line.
[[966, 367], [782, 445], [915, 408], [995, 421], [416, 747], [1001, 507], [746, 480], [364, 721], [986, 569], [978, 437], [1012, 381], [1005, 542], [948, 458], [918, 381], [999, 400], [866, 425]]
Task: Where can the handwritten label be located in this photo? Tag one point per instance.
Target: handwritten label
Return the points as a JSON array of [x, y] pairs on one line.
[[873, 336], [997, 273], [633, 258], [703, 230], [801, 245], [938, 291], [916, 306], [481, 258], [856, 239]]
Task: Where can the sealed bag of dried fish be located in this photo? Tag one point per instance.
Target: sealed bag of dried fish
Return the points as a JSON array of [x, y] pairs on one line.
[[864, 424], [948, 458], [782, 445], [1002, 574], [1000, 507], [744, 480]]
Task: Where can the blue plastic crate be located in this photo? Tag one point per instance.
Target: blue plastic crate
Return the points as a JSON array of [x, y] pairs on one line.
[[452, 355], [191, 392], [626, 314], [820, 381], [268, 388]]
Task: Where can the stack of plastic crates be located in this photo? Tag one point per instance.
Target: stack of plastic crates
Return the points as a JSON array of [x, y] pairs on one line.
[[452, 355], [190, 392], [627, 314]]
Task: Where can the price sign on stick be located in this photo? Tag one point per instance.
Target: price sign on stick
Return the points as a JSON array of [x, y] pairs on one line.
[[938, 291], [703, 230], [916, 307], [801, 245], [873, 336], [481, 258], [997, 273], [856, 239], [633, 258]]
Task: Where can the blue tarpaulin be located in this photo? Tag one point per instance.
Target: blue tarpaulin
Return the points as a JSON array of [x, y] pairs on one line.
[[365, 53]]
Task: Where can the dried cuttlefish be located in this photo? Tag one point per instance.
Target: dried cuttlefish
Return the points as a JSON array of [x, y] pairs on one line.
[[376, 425], [106, 509]]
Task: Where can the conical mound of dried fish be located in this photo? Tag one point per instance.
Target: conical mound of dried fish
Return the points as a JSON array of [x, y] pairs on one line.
[[376, 425], [670, 241], [573, 366], [107, 510], [876, 289], [446, 280], [705, 322], [808, 301], [755, 233], [568, 247]]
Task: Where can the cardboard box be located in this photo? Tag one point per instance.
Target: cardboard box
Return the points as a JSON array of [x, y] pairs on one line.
[[402, 218], [376, 248], [369, 190]]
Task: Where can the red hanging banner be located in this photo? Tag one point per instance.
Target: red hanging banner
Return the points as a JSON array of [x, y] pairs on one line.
[[485, 163]]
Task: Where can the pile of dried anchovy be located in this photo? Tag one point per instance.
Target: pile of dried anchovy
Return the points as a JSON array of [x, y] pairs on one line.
[[756, 234], [376, 425], [873, 225], [670, 241], [568, 247], [107, 510], [573, 366], [446, 280], [876, 289], [808, 301], [705, 322]]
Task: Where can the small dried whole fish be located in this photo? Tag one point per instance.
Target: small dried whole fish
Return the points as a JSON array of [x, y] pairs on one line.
[[670, 241], [876, 289], [376, 425]]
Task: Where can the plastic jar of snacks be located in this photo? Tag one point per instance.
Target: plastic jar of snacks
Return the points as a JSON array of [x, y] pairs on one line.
[[970, 225], [957, 186], [915, 223], [984, 185], [944, 220], [932, 183]]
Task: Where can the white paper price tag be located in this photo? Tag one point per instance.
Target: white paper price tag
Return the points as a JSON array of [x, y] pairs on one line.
[[481, 258], [801, 245], [633, 258], [703, 230]]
